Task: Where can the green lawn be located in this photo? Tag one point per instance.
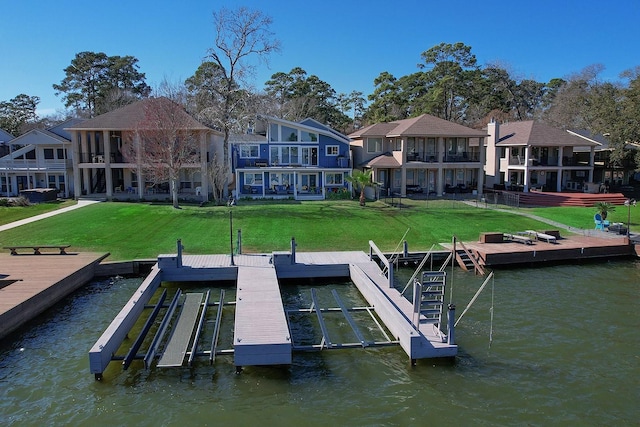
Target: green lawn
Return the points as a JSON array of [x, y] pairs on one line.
[[14, 213], [139, 230], [583, 217]]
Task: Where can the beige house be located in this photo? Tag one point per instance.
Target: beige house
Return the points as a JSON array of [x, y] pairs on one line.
[[101, 167], [527, 155], [424, 154]]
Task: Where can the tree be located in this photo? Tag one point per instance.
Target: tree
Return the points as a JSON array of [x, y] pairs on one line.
[[239, 35], [453, 69], [361, 180], [95, 83], [164, 142], [386, 104], [18, 112]]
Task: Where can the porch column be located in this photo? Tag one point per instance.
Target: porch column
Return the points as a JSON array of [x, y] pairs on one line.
[[526, 169], [204, 167], [559, 180], [403, 180], [440, 181], [441, 150], [481, 172], [592, 163], [136, 141], [108, 176], [75, 158], [87, 171]]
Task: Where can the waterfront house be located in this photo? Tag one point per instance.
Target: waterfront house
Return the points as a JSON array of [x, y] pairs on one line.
[[101, 167], [423, 154], [531, 155], [303, 160], [40, 158]]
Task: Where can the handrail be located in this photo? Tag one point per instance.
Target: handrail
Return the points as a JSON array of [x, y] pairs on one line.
[[477, 266]]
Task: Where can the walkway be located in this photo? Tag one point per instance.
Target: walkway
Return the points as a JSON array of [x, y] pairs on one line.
[[80, 204]]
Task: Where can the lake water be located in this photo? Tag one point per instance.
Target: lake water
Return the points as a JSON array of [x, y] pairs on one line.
[[565, 351]]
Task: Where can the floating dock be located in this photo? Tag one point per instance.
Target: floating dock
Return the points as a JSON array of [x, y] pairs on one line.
[[261, 332], [30, 284]]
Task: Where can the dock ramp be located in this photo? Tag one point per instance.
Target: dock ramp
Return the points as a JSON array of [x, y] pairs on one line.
[[176, 348], [261, 335]]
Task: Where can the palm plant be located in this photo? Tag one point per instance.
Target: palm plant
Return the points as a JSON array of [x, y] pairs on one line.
[[361, 180], [604, 208]]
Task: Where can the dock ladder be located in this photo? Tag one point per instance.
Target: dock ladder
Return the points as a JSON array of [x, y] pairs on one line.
[[428, 298]]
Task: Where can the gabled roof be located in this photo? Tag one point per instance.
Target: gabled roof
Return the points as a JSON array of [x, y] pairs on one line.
[[424, 125], [537, 134], [5, 136], [385, 160], [129, 116], [60, 128], [40, 137]]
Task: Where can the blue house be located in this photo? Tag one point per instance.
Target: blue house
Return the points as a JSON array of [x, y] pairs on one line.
[[301, 160]]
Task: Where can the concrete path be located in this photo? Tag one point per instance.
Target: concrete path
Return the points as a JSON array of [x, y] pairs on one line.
[[80, 204]]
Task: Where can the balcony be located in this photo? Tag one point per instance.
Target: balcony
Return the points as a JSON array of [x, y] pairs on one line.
[[461, 157], [428, 157]]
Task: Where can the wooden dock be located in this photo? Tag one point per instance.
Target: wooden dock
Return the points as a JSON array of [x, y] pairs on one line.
[[570, 248], [30, 284]]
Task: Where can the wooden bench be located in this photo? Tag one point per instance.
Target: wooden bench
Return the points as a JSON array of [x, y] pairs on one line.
[[36, 249], [518, 238]]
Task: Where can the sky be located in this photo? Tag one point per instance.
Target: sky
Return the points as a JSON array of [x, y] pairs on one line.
[[346, 43]]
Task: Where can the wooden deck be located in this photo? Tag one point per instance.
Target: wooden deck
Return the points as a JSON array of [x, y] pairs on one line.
[[565, 249], [30, 284]]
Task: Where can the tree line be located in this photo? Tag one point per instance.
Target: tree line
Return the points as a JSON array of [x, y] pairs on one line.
[[448, 83]]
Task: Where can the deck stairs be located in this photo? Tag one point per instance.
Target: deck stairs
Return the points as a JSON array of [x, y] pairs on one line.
[[466, 259], [538, 198], [428, 298]]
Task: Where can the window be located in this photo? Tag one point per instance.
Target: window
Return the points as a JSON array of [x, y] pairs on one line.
[[374, 145], [61, 155], [253, 178], [308, 136], [333, 178], [332, 150], [48, 153], [249, 151], [273, 133], [289, 134]]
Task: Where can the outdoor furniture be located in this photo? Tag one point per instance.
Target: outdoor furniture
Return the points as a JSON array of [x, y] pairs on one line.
[[600, 223], [519, 238], [36, 249], [542, 236]]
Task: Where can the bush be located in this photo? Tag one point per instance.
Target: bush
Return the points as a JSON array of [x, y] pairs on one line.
[[4, 203]]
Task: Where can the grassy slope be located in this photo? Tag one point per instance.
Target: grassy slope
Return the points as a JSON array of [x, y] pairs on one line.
[[137, 230], [11, 214]]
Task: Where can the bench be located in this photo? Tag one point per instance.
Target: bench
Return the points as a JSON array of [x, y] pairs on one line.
[[518, 238], [36, 249], [542, 236]]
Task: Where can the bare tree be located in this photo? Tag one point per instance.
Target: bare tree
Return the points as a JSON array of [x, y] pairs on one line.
[[164, 143], [240, 34]]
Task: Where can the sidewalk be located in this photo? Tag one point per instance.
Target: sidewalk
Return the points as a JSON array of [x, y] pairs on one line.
[[80, 204]]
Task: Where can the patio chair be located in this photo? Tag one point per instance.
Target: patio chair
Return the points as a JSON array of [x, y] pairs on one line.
[[600, 223]]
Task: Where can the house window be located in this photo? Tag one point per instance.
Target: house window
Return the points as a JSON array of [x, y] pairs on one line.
[[60, 153], [48, 153], [332, 150], [253, 178], [374, 145], [294, 156], [249, 151], [273, 133], [333, 178], [289, 134], [308, 136]]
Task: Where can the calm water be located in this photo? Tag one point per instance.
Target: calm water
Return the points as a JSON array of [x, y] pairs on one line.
[[565, 351]]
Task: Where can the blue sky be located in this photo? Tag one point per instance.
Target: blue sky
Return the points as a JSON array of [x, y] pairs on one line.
[[345, 43]]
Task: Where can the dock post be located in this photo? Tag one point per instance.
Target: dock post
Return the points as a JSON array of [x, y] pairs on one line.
[[239, 241], [405, 249], [179, 258], [293, 250], [231, 236], [451, 320]]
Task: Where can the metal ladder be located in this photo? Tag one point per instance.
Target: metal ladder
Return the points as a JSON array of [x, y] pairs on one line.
[[428, 298]]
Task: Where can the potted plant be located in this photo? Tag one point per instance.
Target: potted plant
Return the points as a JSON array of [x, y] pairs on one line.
[[604, 208]]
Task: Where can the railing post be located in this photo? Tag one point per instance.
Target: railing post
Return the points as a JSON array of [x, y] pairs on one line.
[[179, 257], [451, 320], [293, 250]]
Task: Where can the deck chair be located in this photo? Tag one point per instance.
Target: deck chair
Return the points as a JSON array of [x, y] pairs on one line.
[[597, 218]]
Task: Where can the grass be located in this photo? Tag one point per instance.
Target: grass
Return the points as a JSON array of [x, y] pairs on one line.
[[16, 213], [138, 230]]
